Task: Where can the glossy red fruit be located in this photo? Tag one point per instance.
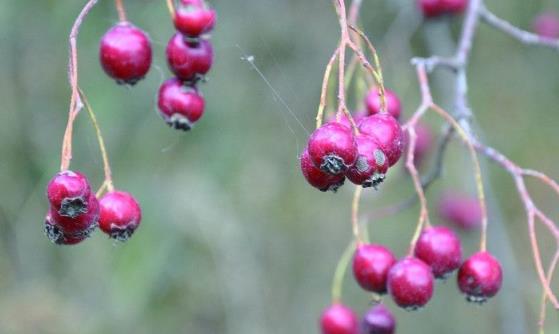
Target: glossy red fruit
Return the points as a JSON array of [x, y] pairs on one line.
[[332, 148], [480, 277], [82, 225], [454, 6], [125, 53], [180, 105], [317, 178], [68, 192], [371, 264], [410, 283], [189, 60], [387, 132], [378, 320], [547, 25], [440, 248], [194, 19], [431, 8], [393, 104], [120, 215], [339, 319], [57, 236], [460, 210], [371, 165]]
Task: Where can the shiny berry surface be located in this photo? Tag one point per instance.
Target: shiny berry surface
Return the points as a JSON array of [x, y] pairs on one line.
[[441, 249], [480, 277], [194, 19], [339, 319], [317, 178], [393, 104], [68, 193], [332, 148], [120, 215], [189, 60], [180, 105], [387, 132], [371, 166], [410, 283], [371, 264], [378, 320], [125, 53]]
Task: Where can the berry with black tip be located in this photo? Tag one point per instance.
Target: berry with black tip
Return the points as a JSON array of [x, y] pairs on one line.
[[339, 319], [410, 283], [371, 264], [317, 178], [57, 236], [441, 249], [332, 148], [68, 193], [83, 224], [180, 105], [120, 215], [480, 277]]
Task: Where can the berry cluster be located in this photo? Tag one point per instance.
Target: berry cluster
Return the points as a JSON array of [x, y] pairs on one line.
[[434, 8], [190, 57], [361, 152]]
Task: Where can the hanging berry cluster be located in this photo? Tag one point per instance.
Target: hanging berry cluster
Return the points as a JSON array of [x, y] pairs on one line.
[[125, 54]]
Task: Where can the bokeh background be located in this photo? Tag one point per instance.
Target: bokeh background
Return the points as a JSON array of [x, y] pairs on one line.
[[233, 240]]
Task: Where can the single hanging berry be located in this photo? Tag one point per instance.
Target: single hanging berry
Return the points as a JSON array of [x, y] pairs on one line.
[[194, 18], [378, 320], [441, 249], [181, 106], [480, 277], [410, 283], [120, 215], [189, 60], [317, 178], [339, 319], [332, 148], [68, 193], [371, 264]]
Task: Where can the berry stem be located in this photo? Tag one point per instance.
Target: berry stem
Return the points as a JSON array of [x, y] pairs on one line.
[[339, 274], [121, 11], [324, 91], [541, 322], [171, 8], [355, 214], [75, 102]]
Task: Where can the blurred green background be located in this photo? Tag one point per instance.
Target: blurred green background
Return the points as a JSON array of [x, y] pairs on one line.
[[233, 240]]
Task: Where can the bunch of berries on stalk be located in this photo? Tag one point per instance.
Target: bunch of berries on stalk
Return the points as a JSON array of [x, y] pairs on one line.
[[190, 57]]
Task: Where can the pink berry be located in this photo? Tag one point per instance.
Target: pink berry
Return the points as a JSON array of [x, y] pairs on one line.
[[371, 165], [410, 283], [189, 60], [455, 6], [387, 132], [357, 116], [57, 236], [460, 210], [332, 148], [180, 105], [431, 8], [393, 104], [547, 25], [125, 53], [371, 264], [441, 249], [378, 320], [339, 319], [68, 193], [194, 20], [120, 215], [317, 178], [480, 277]]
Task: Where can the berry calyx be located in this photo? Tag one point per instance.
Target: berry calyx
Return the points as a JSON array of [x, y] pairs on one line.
[[480, 277], [339, 319], [374, 103], [120, 215], [125, 53], [81, 225], [371, 264], [317, 178], [55, 234], [180, 105], [440, 248], [194, 19], [378, 320], [332, 148], [371, 165], [547, 25], [189, 60], [387, 132], [68, 193], [460, 210], [410, 283]]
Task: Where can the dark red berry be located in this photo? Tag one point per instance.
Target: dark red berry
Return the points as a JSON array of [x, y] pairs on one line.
[[371, 264], [82, 225], [441, 249], [379, 320], [387, 132], [339, 319], [480, 277], [410, 283], [57, 236], [371, 165], [180, 105], [460, 210], [317, 178], [455, 6], [125, 53], [431, 8], [547, 25], [393, 104], [194, 19], [189, 60], [68, 193], [332, 148], [120, 215]]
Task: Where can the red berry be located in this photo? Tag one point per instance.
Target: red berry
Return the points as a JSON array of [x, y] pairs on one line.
[[455, 6], [317, 178], [379, 320], [194, 20], [189, 59], [339, 319], [180, 106], [460, 210], [547, 25], [410, 283], [120, 215], [357, 116], [393, 104], [388, 133], [371, 264], [68, 193], [431, 8], [371, 165], [83, 224], [57, 236], [125, 53], [332, 148], [441, 249], [480, 277]]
